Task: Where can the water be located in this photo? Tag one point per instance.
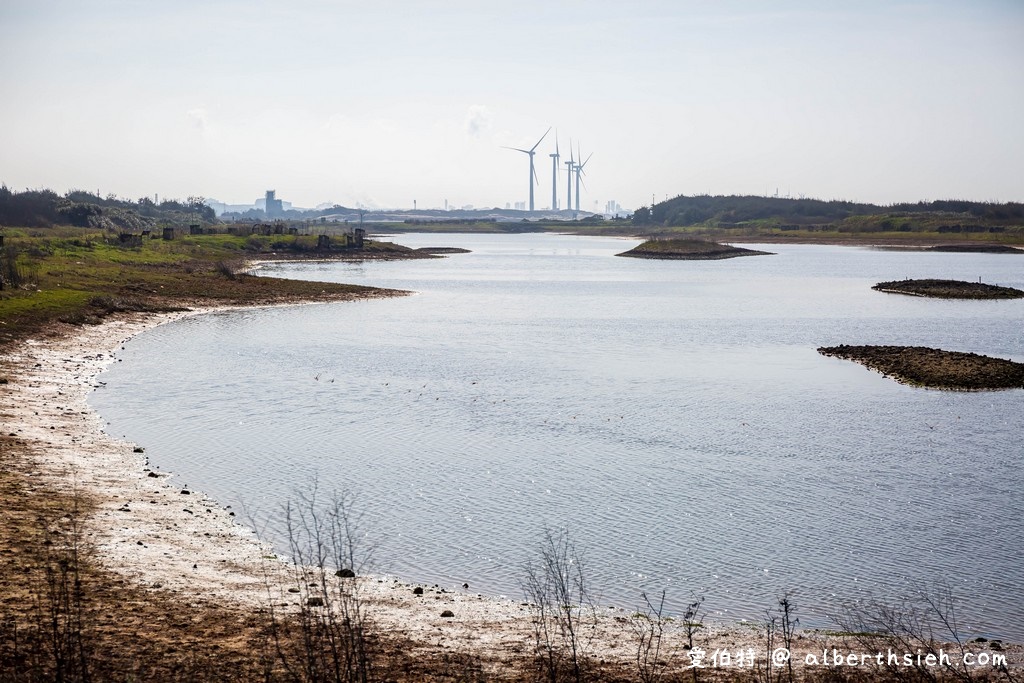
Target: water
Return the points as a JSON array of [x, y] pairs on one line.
[[674, 416]]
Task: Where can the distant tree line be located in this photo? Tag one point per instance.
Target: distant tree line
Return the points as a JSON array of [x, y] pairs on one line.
[[46, 208], [729, 211]]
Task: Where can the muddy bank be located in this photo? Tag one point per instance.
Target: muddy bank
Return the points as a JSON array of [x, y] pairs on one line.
[[934, 368], [688, 250], [948, 289]]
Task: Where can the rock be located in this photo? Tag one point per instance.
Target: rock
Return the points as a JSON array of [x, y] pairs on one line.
[[186, 492], [315, 602], [153, 474], [139, 449], [465, 586], [293, 590], [447, 614], [418, 590], [345, 574]]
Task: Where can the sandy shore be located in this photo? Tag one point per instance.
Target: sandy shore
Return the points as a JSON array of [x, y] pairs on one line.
[[148, 530]]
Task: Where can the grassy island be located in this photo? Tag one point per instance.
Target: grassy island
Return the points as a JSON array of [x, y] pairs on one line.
[[688, 250], [934, 368], [949, 289]]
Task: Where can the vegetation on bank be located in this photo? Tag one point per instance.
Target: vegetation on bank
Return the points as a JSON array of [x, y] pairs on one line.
[[79, 208], [950, 216], [934, 368], [688, 250], [949, 289], [74, 275], [722, 218]]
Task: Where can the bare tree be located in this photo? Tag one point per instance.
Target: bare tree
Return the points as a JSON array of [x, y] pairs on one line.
[[565, 617], [649, 628], [920, 625], [327, 639]]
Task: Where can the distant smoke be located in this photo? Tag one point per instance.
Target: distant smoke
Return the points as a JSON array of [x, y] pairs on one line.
[[478, 120], [198, 118]]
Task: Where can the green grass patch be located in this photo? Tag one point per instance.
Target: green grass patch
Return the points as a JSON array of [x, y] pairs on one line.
[[44, 303]]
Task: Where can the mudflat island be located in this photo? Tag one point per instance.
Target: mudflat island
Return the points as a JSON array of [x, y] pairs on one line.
[[948, 289], [934, 368], [688, 250]]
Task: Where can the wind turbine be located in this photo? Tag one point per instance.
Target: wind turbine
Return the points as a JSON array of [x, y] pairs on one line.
[[568, 186], [579, 173], [533, 173], [554, 175]]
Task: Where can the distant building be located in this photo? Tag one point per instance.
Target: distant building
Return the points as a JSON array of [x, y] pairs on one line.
[[274, 206], [520, 206]]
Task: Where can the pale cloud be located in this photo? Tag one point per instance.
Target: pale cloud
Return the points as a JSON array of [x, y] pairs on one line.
[[478, 120]]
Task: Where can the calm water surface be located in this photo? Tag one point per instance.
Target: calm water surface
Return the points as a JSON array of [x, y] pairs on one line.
[[675, 416]]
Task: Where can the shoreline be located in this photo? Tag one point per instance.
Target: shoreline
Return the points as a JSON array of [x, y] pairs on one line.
[[145, 529]]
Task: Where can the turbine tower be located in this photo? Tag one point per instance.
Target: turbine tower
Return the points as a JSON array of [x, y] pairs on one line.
[[530, 152], [568, 186], [579, 174], [554, 175]]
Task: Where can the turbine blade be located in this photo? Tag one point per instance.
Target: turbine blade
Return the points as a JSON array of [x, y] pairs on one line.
[[541, 138], [524, 151]]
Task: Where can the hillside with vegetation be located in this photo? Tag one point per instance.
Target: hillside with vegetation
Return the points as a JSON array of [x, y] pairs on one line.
[[785, 217], [78, 208]]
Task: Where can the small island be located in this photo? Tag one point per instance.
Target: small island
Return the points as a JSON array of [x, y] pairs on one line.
[[437, 251], [976, 248], [934, 368], [683, 249], [948, 289]]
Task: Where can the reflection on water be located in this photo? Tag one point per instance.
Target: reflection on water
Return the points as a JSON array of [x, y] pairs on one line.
[[674, 415]]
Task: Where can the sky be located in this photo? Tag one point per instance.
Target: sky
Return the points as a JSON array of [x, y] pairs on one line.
[[392, 102]]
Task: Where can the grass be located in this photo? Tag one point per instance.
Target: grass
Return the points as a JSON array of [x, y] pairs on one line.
[[71, 275]]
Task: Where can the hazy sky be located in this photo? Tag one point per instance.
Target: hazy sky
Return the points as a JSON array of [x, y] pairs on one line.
[[387, 102]]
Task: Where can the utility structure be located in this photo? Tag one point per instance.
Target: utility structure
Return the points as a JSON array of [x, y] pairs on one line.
[[530, 152], [554, 175]]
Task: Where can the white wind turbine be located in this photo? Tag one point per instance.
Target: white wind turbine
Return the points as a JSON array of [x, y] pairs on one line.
[[579, 174], [568, 186], [554, 175], [530, 152]]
